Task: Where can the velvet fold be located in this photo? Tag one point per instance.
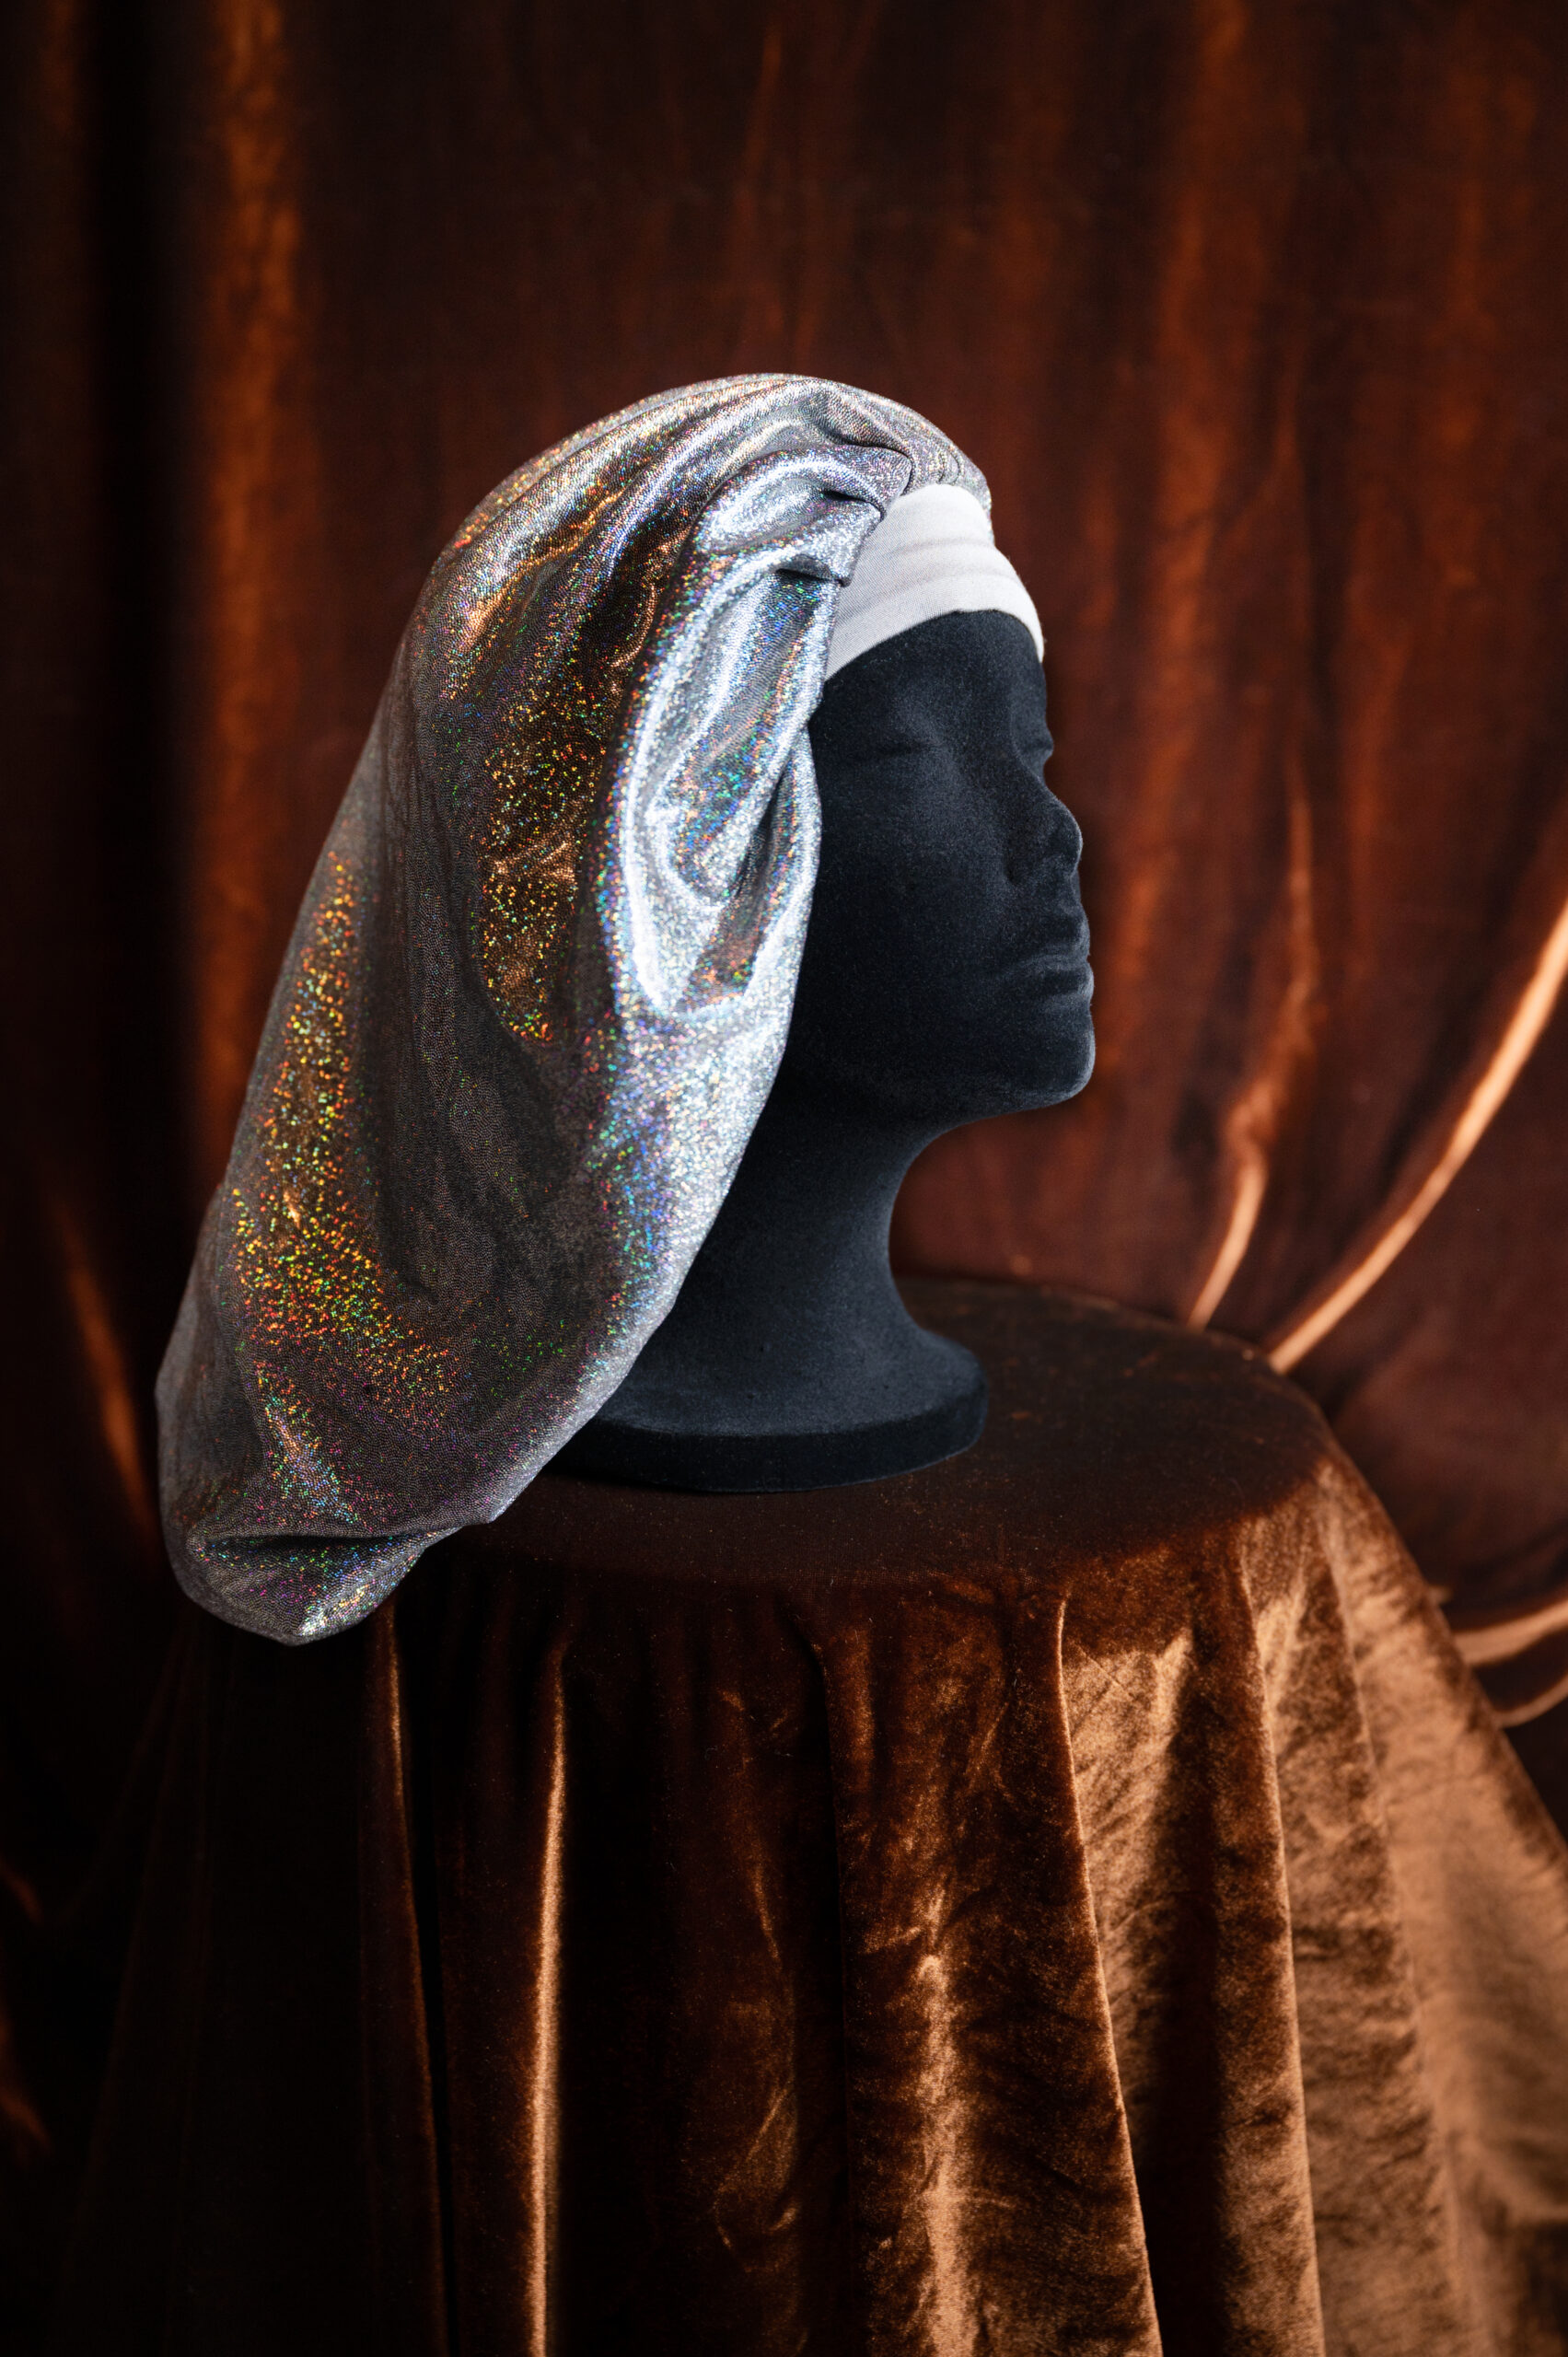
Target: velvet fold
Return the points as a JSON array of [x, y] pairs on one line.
[[1073, 1897]]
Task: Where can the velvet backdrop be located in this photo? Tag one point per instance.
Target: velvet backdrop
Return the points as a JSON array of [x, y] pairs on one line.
[[1254, 316]]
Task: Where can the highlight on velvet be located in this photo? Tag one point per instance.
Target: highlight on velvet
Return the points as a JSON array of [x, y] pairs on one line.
[[536, 995]]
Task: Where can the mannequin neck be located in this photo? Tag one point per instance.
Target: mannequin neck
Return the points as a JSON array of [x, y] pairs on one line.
[[792, 1293], [789, 1333]]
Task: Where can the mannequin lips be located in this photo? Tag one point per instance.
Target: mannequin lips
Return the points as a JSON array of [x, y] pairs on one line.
[[1059, 962], [1055, 977]]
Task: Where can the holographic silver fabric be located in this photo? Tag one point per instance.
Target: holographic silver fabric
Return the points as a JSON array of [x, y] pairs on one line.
[[536, 996]]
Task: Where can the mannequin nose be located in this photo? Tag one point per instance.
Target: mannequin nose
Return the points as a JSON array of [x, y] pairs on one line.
[[1043, 835]]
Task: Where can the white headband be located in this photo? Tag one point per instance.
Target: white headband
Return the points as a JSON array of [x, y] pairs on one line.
[[933, 553]]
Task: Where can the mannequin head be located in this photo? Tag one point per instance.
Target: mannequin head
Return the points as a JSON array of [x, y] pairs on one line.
[[944, 978], [946, 971]]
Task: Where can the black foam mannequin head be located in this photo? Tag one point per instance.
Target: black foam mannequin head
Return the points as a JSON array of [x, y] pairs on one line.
[[945, 975], [944, 978]]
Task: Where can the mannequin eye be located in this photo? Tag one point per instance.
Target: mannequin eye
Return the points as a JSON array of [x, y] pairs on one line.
[[907, 745]]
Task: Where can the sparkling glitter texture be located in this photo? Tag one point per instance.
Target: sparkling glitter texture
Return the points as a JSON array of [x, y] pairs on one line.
[[536, 996]]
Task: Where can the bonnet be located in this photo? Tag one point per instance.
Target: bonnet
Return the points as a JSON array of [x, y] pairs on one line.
[[541, 980]]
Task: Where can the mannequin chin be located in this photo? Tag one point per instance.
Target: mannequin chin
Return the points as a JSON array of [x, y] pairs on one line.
[[944, 978]]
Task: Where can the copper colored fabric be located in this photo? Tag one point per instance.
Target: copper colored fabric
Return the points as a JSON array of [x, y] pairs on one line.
[[1073, 1899], [1251, 312]]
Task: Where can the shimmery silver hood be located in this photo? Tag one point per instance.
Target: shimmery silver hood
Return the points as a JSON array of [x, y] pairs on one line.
[[536, 996]]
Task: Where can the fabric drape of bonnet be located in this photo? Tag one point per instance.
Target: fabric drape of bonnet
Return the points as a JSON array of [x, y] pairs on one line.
[[535, 997]]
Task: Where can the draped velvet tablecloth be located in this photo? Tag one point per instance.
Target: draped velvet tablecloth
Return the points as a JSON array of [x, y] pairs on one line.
[[1073, 1899]]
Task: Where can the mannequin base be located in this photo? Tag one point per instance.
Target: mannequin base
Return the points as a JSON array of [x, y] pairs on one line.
[[665, 1458]]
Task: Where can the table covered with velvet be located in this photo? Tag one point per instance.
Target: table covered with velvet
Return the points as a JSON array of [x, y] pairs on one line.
[[1072, 1899]]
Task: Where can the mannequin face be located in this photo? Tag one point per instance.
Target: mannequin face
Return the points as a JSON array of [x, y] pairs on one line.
[[945, 972]]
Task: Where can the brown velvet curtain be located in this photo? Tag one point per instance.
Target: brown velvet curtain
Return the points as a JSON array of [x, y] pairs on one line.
[[1252, 312]]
